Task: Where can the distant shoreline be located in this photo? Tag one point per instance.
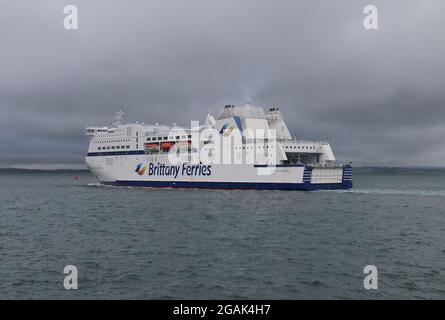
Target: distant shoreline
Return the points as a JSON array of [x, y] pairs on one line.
[[41, 170], [357, 169]]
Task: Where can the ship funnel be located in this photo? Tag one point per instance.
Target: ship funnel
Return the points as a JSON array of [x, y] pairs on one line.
[[275, 120]]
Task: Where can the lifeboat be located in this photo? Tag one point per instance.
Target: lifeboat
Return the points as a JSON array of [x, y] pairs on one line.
[[166, 145], [151, 145]]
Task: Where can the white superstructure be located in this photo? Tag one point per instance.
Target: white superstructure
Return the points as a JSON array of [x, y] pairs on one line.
[[244, 147]]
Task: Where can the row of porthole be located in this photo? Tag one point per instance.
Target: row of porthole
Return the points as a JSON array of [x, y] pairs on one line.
[[113, 147], [168, 138], [111, 141], [251, 148], [299, 147]]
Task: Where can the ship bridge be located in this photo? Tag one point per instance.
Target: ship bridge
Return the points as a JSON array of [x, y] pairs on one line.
[[245, 111]]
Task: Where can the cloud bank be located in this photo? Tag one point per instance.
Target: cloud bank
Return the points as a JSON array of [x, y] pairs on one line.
[[378, 95]]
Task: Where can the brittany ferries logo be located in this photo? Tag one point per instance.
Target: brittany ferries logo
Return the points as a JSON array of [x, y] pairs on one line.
[[226, 130], [140, 169]]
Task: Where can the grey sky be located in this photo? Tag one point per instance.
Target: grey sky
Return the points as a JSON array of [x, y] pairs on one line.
[[378, 95]]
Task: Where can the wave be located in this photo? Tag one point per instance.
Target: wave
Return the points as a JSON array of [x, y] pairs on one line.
[[98, 185], [406, 192]]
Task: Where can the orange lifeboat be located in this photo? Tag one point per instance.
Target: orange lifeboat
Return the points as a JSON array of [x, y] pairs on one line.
[[151, 145], [166, 145]]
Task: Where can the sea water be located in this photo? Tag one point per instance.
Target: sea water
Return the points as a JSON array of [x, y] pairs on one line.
[[135, 243]]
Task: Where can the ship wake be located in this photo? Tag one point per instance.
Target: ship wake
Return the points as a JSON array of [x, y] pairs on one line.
[[405, 192]]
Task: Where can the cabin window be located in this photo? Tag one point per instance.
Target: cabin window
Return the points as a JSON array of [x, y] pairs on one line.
[[177, 137], [148, 139]]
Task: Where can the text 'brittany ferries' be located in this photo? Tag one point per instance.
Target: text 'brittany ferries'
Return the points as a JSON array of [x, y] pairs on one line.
[[161, 169]]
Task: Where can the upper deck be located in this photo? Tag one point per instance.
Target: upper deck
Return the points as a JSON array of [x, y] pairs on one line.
[[138, 138]]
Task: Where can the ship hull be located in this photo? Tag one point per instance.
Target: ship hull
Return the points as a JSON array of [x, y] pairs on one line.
[[231, 185], [157, 172]]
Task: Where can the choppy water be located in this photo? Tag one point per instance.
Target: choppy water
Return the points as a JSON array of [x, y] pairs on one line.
[[197, 244]]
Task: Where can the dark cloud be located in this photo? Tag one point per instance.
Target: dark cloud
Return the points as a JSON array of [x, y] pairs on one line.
[[379, 96]]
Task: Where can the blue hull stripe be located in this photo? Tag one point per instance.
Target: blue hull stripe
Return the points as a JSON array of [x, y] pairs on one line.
[[347, 174], [233, 185], [307, 175]]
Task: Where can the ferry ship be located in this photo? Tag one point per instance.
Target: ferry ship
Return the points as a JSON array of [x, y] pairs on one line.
[[243, 147]]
